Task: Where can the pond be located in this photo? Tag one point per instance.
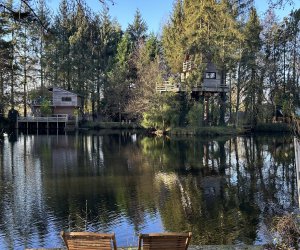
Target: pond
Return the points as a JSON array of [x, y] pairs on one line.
[[223, 190]]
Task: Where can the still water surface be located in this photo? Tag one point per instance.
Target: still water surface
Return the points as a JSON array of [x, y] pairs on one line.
[[224, 190]]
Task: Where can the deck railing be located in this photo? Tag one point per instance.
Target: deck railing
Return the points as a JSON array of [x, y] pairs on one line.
[[175, 87], [53, 118], [167, 87]]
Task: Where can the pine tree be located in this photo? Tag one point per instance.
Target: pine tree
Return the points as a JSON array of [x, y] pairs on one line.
[[44, 34], [118, 87], [172, 39], [254, 91], [137, 31], [105, 37]]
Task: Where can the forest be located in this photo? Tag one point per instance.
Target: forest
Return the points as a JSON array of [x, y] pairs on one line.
[[116, 71]]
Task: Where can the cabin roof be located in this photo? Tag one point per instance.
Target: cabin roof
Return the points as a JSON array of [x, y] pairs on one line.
[[52, 88]]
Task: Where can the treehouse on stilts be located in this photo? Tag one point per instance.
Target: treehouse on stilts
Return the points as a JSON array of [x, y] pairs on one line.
[[212, 85]]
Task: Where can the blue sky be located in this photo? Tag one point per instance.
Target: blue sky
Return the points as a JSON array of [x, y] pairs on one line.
[[156, 12]]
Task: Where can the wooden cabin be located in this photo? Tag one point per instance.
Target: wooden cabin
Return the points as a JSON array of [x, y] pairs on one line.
[[56, 113], [211, 80], [211, 85], [63, 102]]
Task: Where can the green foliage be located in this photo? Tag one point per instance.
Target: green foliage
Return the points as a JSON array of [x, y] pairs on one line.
[[207, 131], [123, 51], [287, 108], [172, 39], [195, 115], [163, 115], [42, 92], [110, 125], [272, 127], [116, 72], [152, 47], [137, 30], [46, 108]]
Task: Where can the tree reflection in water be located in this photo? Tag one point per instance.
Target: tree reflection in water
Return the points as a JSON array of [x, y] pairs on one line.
[[224, 190]]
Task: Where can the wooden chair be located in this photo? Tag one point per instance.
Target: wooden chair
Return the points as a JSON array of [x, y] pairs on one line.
[[164, 241], [89, 241]]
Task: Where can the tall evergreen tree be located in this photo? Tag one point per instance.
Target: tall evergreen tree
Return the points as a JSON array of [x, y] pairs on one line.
[[118, 89], [138, 29], [172, 39], [254, 89], [105, 37]]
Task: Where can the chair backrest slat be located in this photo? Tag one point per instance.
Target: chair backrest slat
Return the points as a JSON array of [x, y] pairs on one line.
[[164, 241], [89, 241]]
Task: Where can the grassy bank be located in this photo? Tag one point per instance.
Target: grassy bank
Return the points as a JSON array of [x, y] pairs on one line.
[[207, 131], [204, 131], [109, 125], [230, 130], [273, 128]]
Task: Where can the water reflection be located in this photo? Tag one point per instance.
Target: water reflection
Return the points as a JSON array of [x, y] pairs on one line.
[[225, 191]]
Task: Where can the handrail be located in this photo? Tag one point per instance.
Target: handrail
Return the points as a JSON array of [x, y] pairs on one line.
[[54, 118], [175, 87], [167, 86]]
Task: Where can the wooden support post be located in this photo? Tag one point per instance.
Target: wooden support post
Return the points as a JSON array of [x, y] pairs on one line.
[[222, 108], [206, 109], [203, 109]]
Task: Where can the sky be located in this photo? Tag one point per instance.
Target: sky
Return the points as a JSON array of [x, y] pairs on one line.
[[156, 12]]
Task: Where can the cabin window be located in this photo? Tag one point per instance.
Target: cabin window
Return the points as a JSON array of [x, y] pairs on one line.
[[66, 99], [210, 75]]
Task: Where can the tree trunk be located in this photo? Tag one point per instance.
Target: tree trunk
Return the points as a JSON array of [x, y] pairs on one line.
[[12, 72], [222, 101], [1, 95], [238, 90], [25, 74]]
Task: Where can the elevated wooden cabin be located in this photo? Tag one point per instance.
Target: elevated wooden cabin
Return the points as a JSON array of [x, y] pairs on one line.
[[211, 80]]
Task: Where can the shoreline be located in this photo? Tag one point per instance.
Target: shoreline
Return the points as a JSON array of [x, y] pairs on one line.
[[191, 131]]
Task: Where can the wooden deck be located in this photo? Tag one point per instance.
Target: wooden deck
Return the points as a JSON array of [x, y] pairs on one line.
[[168, 87], [48, 122], [175, 87], [211, 88], [54, 118]]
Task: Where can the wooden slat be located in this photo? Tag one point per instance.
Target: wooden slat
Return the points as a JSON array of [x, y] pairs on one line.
[[89, 241], [164, 241]]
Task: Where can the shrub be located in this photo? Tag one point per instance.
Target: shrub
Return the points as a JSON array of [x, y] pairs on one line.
[[287, 231], [46, 108], [194, 116]]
